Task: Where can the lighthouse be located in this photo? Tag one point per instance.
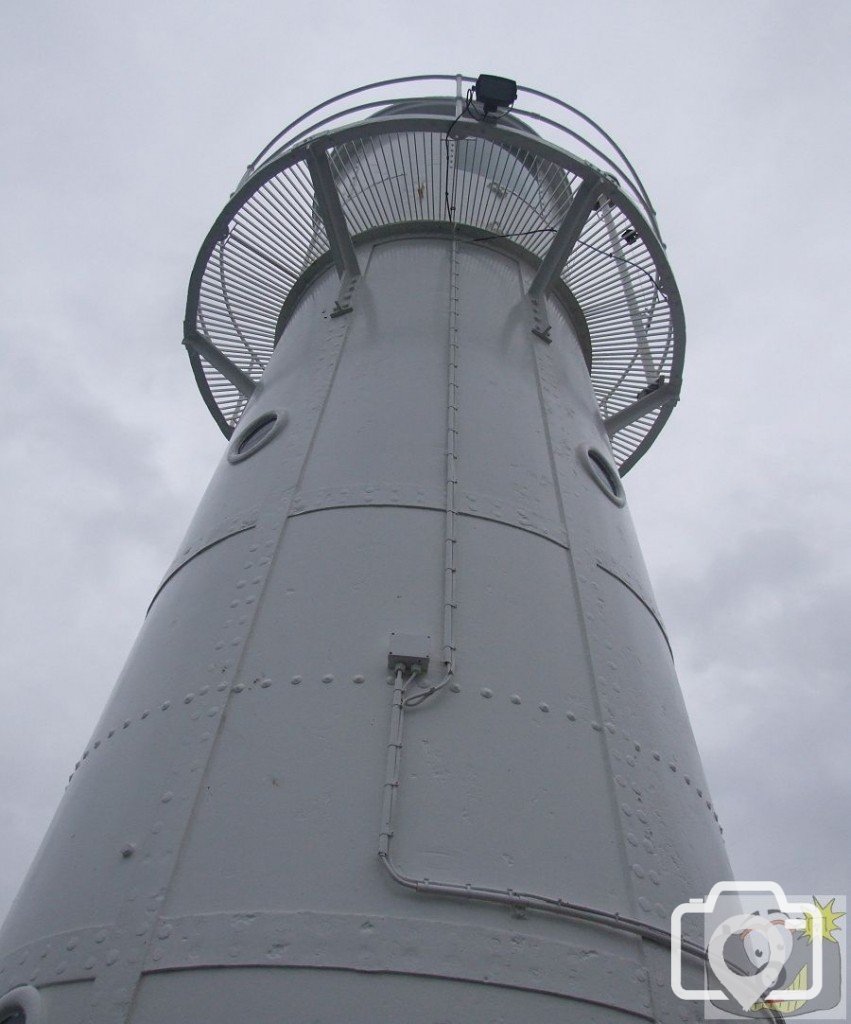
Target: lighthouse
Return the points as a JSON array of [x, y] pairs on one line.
[[401, 737]]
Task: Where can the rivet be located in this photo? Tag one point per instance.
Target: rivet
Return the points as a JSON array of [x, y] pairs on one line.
[[222, 687], [144, 715], [126, 724], [100, 937], [358, 680], [110, 734], [486, 693], [89, 963], [515, 698], [596, 727], [648, 845], [644, 903], [630, 760], [234, 604], [164, 932], [627, 810], [672, 766], [112, 957], [248, 565], [166, 704], [85, 754], [71, 944], [189, 698], [265, 683], [203, 737], [250, 600], [61, 967], [454, 688], [167, 797], [638, 870], [687, 780], [204, 690], [213, 712], [657, 756], [128, 850], [631, 839], [257, 579], [253, 547], [544, 707], [637, 747], [295, 680], [699, 792], [620, 780], [653, 876], [611, 727], [239, 688], [96, 744], [571, 717], [642, 817], [327, 679], [240, 584]]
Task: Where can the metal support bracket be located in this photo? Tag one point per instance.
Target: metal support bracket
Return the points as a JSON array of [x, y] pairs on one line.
[[219, 361], [343, 302], [331, 212], [540, 320], [652, 397], [559, 252]]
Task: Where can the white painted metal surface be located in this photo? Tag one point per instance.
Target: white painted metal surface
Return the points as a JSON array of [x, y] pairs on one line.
[[269, 824]]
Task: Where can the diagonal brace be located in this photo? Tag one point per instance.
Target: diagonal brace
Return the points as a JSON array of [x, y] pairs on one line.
[[662, 395], [566, 237], [219, 361], [331, 211]]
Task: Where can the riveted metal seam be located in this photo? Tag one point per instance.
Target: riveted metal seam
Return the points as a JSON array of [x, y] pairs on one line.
[[638, 597], [179, 563], [109, 1003], [434, 508], [541, 352]]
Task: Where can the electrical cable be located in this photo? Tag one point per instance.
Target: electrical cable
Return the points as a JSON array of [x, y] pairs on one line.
[[587, 245], [469, 109], [450, 206], [416, 699]]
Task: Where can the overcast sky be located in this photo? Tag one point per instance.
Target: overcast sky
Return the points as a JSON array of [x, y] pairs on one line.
[[124, 128]]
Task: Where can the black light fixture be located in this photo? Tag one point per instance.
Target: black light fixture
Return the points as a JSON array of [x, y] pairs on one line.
[[494, 95]]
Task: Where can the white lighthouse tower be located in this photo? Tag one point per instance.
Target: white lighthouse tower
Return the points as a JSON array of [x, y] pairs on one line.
[[401, 737]]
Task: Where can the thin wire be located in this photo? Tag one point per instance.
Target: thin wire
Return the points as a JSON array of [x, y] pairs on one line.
[[587, 245], [417, 698], [450, 208], [516, 234]]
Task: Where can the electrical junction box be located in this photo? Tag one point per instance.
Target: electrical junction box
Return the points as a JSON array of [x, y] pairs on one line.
[[409, 650]]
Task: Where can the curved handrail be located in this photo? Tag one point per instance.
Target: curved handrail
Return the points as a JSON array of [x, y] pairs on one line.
[[617, 161], [594, 285]]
